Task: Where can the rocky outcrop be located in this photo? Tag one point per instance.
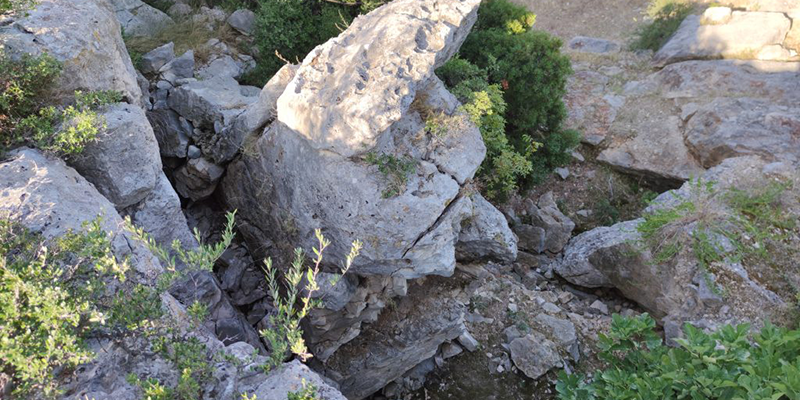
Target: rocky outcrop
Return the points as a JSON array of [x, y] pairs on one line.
[[91, 50], [680, 287], [123, 162], [692, 115], [138, 18], [541, 226], [722, 33], [485, 235], [48, 197]]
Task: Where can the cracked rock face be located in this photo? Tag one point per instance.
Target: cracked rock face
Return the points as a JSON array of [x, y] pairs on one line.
[[352, 96]]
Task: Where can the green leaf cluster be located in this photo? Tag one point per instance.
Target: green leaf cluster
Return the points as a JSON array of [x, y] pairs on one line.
[[49, 293], [725, 364]]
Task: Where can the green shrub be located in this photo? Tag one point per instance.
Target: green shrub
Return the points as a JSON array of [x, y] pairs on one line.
[[48, 301], [308, 392], [300, 286], [666, 21], [17, 5], [25, 117], [394, 169], [725, 364]]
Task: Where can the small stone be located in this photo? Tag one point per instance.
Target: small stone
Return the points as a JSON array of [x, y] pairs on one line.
[[565, 297], [599, 306], [156, 58], [584, 213], [243, 21], [468, 341], [562, 173], [512, 307], [551, 308], [194, 152], [593, 45], [577, 155], [451, 349]]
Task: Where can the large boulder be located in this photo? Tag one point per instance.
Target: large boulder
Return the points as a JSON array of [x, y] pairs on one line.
[[123, 162], [46, 196], [741, 35], [697, 267], [85, 36], [311, 168], [138, 18]]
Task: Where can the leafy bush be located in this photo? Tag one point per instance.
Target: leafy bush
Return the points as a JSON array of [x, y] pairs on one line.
[[511, 81], [25, 117], [394, 169], [300, 285], [308, 392], [48, 301], [667, 17], [725, 364]]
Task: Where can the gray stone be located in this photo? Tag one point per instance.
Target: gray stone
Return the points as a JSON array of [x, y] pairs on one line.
[[222, 66], [48, 197], [588, 110], [600, 307], [138, 18], [179, 10], [741, 37], [562, 173], [123, 162], [545, 215], [198, 178], [160, 215], [593, 45], [485, 234], [194, 152], [468, 341], [730, 127], [243, 21], [534, 354], [291, 378], [450, 350], [179, 68], [152, 62], [85, 36], [171, 131]]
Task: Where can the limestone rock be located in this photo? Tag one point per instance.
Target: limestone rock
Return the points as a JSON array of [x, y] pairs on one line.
[[300, 174], [534, 354], [123, 162], [47, 196], [198, 178], [600, 245], [178, 68], [152, 62], [290, 378], [421, 322], [160, 215], [85, 36], [138, 18], [243, 21], [742, 36], [545, 227], [485, 234], [589, 109], [171, 131], [728, 128]]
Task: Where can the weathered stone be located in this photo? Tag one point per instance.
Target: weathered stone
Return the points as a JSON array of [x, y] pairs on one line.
[[223, 319], [485, 234], [152, 62], [179, 10], [222, 66], [138, 18], [198, 178], [593, 45], [93, 54], [179, 68], [123, 162], [421, 322], [47, 196], [291, 378], [243, 21], [730, 127], [534, 354], [741, 37], [468, 341], [160, 215], [716, 16], [545, 215], [774, 52], [171, 131], [589, 109]]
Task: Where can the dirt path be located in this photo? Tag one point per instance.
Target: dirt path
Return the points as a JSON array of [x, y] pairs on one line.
[[607, 19]]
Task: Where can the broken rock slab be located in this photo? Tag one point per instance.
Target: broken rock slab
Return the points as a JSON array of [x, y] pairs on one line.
[[586, 44], [485, 234], [742, 36], [138, 18]]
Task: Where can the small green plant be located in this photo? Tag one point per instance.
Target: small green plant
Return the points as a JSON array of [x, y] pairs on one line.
[[138, 308], [308, 392], [198, 311], [19, 6], [201, 258], [667, 17], [49, 294], [25, 117], [300, 285], [725, 364], [394, 169]]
